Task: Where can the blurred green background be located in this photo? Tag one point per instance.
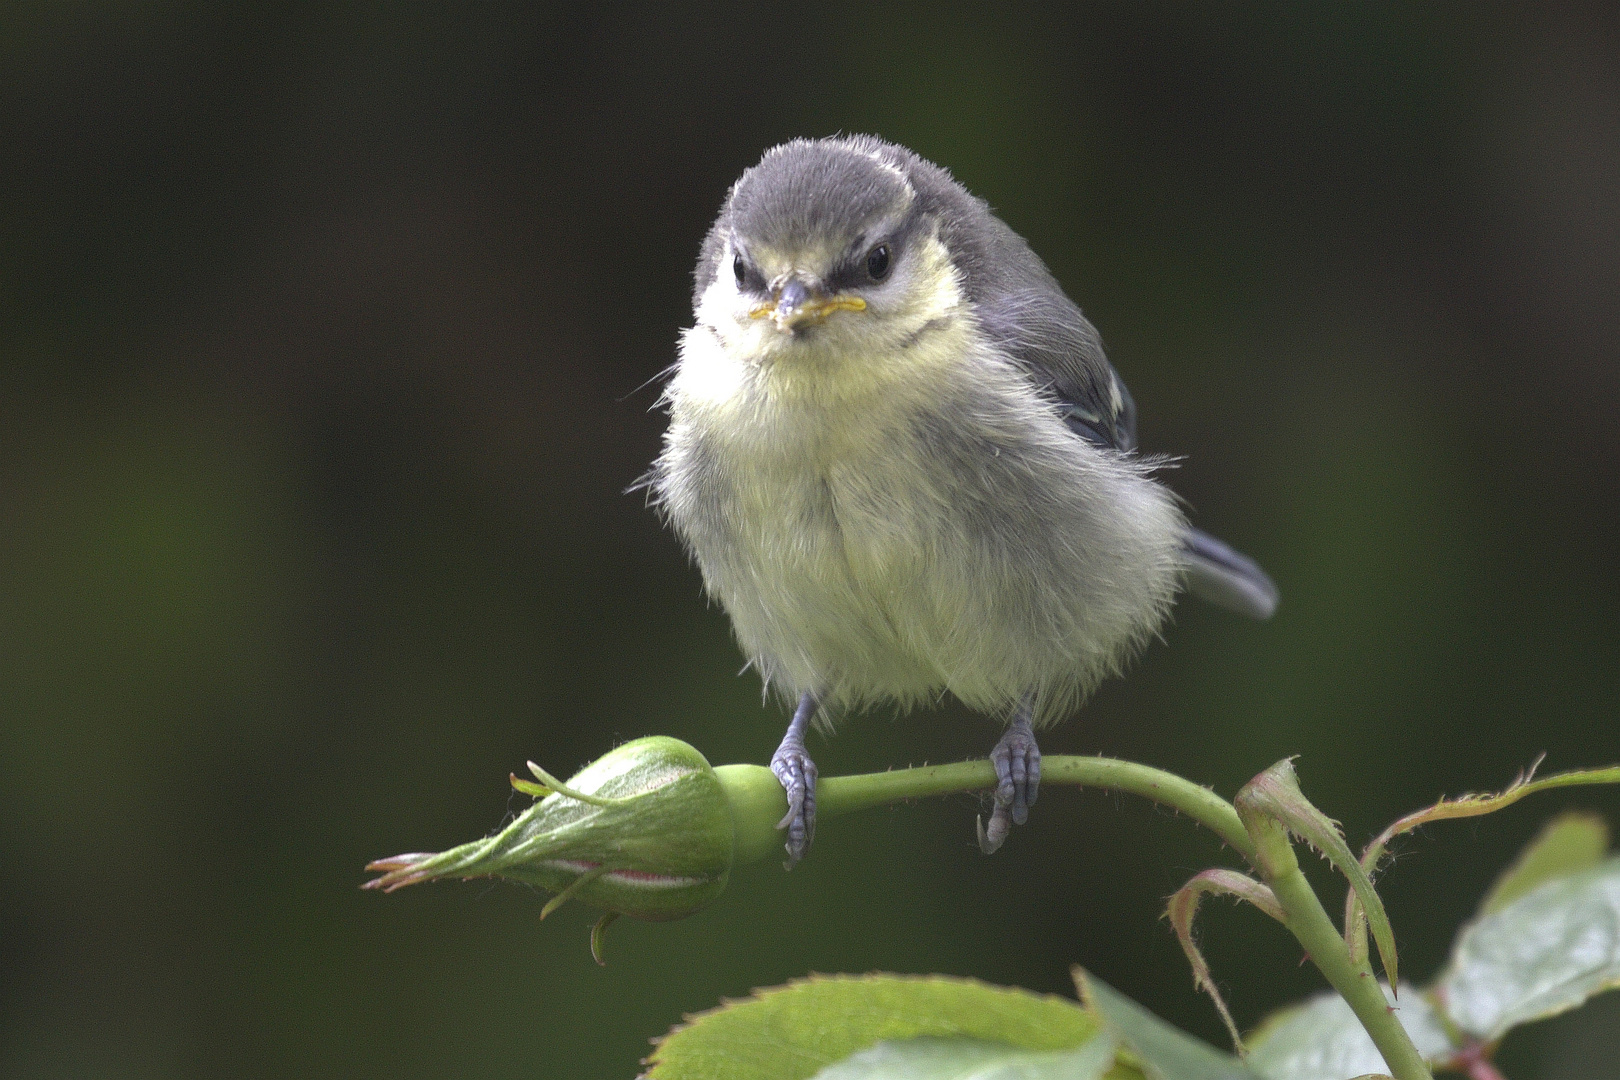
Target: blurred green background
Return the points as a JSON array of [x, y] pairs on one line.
[[321, 327]]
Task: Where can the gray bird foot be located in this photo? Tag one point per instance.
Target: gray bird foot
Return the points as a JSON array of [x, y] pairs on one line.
[[1018, 781], [797, 775]]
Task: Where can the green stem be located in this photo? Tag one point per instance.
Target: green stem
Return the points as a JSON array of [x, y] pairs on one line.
[[1308, 921], [1273, 856], [842, 794]]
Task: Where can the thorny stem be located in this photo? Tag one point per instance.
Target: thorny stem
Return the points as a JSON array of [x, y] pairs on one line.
[[1355, 924], [843, 794], [1308, 921], [1272, 855]]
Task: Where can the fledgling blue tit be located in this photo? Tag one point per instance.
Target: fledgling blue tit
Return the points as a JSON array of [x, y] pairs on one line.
[[903, 464]]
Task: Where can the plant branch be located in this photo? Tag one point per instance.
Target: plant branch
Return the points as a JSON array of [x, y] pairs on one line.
[[843, 794], [1264, 844], [1465, 806], [1308, 921]]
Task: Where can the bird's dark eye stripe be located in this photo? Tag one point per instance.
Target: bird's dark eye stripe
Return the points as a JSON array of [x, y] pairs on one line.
[[855, 269]]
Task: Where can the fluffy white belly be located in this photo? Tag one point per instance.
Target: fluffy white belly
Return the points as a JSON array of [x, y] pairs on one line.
[[938, 533], [827, 570]]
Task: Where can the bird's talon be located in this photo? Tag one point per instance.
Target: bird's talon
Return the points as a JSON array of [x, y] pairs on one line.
[[794, 806], [1017, 761], [993, 836], [797, 774]]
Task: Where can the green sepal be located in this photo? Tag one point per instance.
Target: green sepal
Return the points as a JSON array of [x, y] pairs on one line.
[[529, 787], [645, 830]]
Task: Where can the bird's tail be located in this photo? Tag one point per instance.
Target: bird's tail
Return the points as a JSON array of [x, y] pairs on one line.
[[1227, 578]]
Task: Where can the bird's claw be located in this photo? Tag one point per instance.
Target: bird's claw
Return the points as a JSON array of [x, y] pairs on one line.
[[993, 837], [797, 775], [1017, 761]]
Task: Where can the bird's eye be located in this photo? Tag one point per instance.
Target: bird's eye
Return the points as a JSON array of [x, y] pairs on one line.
[[877, 262], [739, 267]]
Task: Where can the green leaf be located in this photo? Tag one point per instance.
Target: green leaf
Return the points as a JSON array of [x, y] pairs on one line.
[[1321, 1039], [1543, 954], [1566, 845], [973, 1059], [1165, 1052], [792, 1032]]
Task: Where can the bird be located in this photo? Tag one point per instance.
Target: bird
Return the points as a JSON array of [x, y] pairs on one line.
[[905, 467]]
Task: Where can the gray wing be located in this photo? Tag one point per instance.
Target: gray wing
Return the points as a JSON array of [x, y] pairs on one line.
[[1063, 353]]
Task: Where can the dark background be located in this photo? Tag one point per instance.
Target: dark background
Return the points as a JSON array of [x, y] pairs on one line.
[[320, 331]]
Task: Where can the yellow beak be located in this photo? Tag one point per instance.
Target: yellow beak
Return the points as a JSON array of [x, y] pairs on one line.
[[794, 307]]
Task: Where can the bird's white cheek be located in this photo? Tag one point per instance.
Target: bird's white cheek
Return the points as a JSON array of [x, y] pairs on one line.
[[933, 292], [727, 312], [711, 377]]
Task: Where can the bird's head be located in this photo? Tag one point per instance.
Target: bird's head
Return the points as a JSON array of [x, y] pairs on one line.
[[825, 249]]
